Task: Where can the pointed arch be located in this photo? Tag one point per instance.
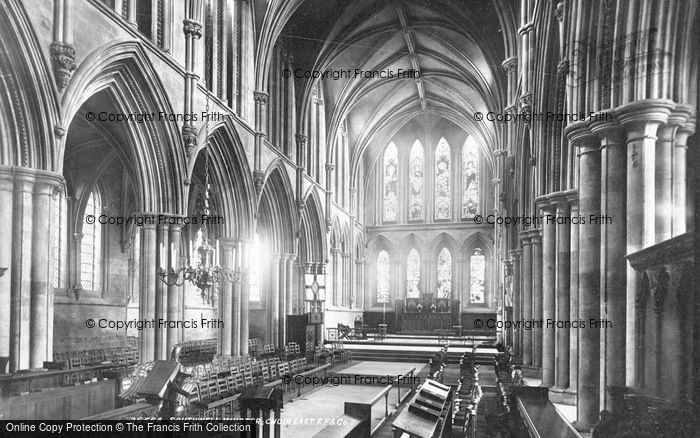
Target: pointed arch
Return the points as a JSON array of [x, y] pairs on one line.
[[312, 239], [230, 172], [276, 211], [360, 246], [123, 72], [379, 243], [29, 109], [409, 242], [443, 240]]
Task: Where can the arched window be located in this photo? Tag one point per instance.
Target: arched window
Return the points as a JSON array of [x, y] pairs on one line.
[[59, 224], [383, 277], [444, 274], [91, 245], [477, 271], [391, 189], [415, 194], [413, 274], [471, 205], [254, 270], [442, 180]]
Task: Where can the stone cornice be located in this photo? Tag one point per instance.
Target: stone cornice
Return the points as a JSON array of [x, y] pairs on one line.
[[674, 250]]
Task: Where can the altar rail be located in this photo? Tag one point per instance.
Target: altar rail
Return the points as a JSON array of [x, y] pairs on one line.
[[426, 322]]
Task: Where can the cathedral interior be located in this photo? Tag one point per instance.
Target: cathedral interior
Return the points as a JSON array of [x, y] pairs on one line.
[[335, 218]]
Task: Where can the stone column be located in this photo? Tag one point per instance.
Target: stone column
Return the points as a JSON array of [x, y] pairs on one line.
[[640, 120], [160, 292], [537, 297], [290, 285], [147, 297], [679, 180], [359, 283], [663, 175], [244, 248], [260, 98], [526, 271], [41, 307], [612, 259], [174, 292], [235, 329], [563, 277], [192, 29], [274, 301], [335, 252], [345, 301], [131, 12], [226, 294], [517, 301], [589, 278], [6, 236], [282, 299], [549, 253], [21, 265], [573, 299]]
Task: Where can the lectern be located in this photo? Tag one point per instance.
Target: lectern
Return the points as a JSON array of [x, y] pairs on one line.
[[428, 412]]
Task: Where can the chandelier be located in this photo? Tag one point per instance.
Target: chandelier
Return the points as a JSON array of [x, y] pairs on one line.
[[208, 274]]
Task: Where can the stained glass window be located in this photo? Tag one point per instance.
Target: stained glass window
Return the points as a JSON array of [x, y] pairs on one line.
[[444, 274], [415, 194], [412, 274], [58, 229], [478, 272], [383, 277], [442, 180], [391, 189], [470, 179], [91, 244], [254, 271]]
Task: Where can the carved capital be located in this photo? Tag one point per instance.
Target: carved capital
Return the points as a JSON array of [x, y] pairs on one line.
[[563, 67], [301, 140], [192, 28], [526, 103], [259, 178], [300, 205], [509, 64], [189, 137], [510, 165], [260, 97], [559, 11], [63, 60], [330, 167]]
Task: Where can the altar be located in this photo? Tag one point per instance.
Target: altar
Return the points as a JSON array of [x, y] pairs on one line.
[[427, 314], [426, 322]]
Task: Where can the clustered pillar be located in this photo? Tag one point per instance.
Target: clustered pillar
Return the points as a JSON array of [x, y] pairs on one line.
[[160, 245], [628, 193]]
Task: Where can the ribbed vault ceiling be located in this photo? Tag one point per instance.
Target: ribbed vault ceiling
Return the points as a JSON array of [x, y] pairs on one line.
[[456, 46]]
